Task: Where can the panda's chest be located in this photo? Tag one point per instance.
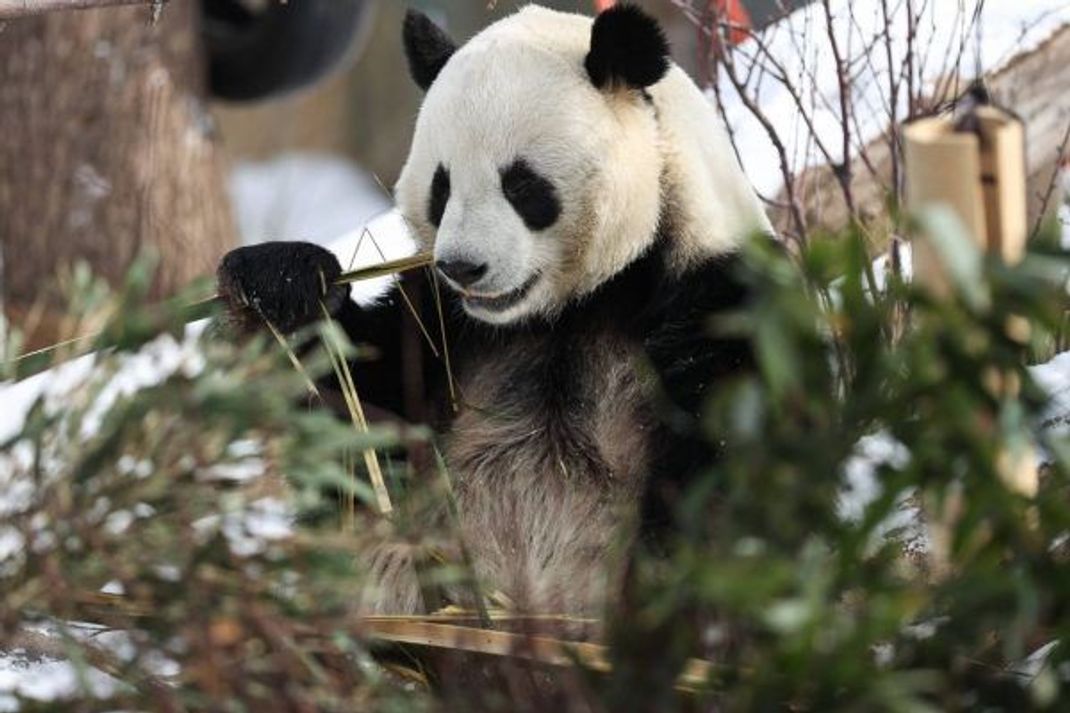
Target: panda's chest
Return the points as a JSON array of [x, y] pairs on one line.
[[554, 413]]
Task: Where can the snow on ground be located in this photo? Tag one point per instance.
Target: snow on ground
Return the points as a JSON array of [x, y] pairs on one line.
[[42, 679], [39, 675], [1054, 378], [799, 49], [164, 356], [861, 474]]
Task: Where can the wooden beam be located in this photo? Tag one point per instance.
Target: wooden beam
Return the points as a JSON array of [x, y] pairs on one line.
[[13, 9]]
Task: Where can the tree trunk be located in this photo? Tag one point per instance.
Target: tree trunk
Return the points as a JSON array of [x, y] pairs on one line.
[[106, 149]]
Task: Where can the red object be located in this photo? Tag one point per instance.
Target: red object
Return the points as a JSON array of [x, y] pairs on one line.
[[732, 12]]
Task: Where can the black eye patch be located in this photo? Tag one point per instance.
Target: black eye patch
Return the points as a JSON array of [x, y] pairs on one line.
[[533, 197], [440, 195]]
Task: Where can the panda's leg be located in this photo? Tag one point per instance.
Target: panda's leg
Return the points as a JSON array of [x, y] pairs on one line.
[[393, 586], [434, 567]]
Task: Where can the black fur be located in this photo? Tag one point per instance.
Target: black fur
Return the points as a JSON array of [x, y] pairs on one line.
[[427, 47], [645, 304], [283, 282], [532, 196], [627, 47], [440, 195]]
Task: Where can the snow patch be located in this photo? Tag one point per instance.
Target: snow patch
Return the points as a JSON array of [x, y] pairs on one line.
[[1054, 378], [303, 196], [23, 675]]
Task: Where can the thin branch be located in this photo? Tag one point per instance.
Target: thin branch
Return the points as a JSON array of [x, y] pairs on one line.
[[755, 110], [893, 100], [843, 170], [13, 9], [1060, 160]]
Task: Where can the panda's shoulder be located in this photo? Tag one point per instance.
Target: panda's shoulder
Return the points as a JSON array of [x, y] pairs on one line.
[[707, 284]]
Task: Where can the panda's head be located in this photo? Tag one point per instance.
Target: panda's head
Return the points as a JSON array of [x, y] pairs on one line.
[[537, 169]]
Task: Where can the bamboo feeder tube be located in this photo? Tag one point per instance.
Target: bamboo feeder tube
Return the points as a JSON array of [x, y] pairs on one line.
[[976, 167]]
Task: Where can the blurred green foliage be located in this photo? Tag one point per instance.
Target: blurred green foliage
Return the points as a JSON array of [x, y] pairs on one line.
[[798, 603], [814, 610]]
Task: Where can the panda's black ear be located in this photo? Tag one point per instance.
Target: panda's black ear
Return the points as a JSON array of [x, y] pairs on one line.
[[427, 47], [628, 47]]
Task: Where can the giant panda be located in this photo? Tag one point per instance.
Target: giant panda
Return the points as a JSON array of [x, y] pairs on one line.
[[586, 213]]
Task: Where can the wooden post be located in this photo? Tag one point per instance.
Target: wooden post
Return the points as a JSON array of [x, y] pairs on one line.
[[107, 148]]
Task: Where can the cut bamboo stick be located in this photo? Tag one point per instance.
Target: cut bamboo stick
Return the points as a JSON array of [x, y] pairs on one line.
[[975, 167], [440, 631], [541, 649]]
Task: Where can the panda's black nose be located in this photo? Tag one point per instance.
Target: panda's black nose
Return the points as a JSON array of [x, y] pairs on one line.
[[462, 272]]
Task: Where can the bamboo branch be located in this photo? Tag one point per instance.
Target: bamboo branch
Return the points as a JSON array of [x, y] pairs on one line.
[[14, 9], [37, 361], [452, 632]]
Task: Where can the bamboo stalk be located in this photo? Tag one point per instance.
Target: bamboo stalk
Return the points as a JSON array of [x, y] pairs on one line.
[[435, 631], [360, 422], [39, 360], [541, 649], [391, 267]]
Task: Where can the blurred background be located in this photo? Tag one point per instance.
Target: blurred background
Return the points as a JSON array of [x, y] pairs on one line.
[[363, 115], [190, 127], [222, 122]]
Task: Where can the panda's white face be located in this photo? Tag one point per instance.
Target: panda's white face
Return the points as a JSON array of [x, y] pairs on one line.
[[531, 185]]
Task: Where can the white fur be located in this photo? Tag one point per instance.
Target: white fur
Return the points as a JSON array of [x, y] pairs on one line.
[[519, 89]]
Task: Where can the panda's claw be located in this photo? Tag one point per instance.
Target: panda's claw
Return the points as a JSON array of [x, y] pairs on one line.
[[283, 283]]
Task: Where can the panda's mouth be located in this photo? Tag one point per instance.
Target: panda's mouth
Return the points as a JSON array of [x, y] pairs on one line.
[[502, 301]]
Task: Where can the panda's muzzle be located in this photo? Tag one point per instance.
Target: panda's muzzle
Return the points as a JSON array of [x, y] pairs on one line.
[[461, 272], [500, 302]]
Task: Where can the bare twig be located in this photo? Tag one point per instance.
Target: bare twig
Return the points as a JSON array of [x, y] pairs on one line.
[[1060, 160], [756, 111], [893, 99], [842, 170], [13, 9]]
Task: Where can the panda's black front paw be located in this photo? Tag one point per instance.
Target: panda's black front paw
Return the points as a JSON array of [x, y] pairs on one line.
[[284, 283]]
